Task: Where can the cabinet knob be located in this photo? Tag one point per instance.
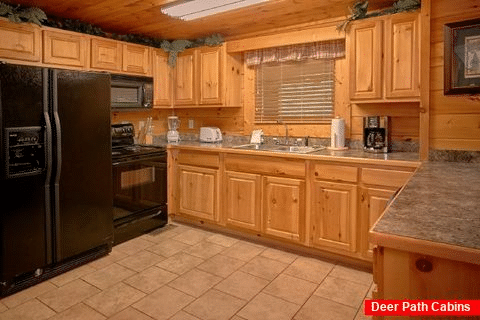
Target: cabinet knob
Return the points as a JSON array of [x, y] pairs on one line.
[[423, 265]]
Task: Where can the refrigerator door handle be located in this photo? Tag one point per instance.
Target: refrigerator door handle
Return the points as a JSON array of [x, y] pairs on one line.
[[58, 165]]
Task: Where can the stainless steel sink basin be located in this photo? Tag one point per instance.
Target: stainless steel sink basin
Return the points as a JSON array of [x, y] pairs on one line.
[[289, 149]]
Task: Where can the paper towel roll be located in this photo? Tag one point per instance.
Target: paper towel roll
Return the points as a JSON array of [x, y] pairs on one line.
[[337, 139]]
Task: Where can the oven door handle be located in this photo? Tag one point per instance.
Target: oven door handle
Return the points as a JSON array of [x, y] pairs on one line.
[[131, 220]]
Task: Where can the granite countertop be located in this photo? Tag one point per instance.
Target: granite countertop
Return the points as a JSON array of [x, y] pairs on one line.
[[441, 203], [354, 154]]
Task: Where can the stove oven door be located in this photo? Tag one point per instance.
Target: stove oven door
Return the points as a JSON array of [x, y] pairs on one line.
[[140, 192]]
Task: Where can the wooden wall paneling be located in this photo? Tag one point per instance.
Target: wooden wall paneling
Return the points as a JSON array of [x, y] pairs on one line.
[[233, 80], [425, 79]]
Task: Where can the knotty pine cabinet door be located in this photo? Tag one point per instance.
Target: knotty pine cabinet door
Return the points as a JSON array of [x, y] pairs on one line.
[[366, 60], [211, 75], [136, 59], [185, 78], [106, 54], [243, 197], [65, 48], [20, 41], [198, 192], [333, 220], [284, 208], [162, 80]]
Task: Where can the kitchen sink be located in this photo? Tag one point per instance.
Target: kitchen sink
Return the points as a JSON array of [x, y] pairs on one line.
[[275, 148]]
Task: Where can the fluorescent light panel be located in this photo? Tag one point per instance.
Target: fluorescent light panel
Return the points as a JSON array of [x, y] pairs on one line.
[[195, 9]]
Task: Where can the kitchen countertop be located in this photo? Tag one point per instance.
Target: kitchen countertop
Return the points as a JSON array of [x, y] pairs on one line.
[[439, 205], [351, 155]]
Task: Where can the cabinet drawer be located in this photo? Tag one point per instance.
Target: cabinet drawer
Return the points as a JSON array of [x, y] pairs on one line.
[[199, 159], [391, 178], [269, 166], [335, 172]]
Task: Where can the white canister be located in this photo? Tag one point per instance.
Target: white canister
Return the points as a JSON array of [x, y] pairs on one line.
[[337, 139]]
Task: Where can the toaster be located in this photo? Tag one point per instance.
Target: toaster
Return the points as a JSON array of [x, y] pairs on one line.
[[210, 134]]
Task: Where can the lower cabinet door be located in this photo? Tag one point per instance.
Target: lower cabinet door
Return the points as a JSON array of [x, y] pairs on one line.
[[283, 208], [243, 200], [198, 192], [333, 217]]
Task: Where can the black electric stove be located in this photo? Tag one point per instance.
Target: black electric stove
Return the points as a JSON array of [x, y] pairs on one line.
[[139, 185]]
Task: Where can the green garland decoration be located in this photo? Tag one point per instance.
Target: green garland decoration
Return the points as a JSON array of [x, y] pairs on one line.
[[35, 15], [359, 11]]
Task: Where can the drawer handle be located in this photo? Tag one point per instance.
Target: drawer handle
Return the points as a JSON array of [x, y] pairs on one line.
[[423, 265]]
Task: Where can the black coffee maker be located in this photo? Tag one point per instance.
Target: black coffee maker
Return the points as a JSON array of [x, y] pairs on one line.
[[376, 134]]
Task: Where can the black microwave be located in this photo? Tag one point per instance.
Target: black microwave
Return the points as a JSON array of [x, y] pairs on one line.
[[131, 92]]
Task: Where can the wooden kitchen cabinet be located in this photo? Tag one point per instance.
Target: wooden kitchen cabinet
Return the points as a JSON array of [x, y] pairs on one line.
[[65, 48], [211, 75], [162, 80], [384, 58], [185, 78], [136, 59], [198, 192], [283, 208], [106, 54], [20, 41], [243, 196], [333, 216]]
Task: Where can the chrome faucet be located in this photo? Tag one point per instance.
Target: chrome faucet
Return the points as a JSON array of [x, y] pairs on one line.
[[286, 130]]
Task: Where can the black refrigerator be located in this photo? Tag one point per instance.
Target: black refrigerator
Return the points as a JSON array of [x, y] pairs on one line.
[[56, 181]]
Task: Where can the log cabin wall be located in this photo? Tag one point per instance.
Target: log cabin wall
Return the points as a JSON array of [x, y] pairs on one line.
[[454, 120]]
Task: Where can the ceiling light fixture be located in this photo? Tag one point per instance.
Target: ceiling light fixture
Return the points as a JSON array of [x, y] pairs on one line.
[[194, 9]]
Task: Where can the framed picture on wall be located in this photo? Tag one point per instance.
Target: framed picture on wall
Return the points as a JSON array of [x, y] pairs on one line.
[[462, 57]]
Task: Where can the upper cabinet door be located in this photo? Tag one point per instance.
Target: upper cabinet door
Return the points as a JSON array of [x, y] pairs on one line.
[[211, 75], [162, 79], [185, 83], [136, 59], [402, 56], [20, 41], [366, 60], [65, 48], [106, 54]]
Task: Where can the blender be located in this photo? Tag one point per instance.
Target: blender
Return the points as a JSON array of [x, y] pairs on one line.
[[173, 124]]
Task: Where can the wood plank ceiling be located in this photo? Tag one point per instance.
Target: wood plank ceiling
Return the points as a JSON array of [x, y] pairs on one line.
[[144, 16]]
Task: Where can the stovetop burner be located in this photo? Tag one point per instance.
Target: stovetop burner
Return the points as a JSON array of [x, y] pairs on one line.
[[123, 146]]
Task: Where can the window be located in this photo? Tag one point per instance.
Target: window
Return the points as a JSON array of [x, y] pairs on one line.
[[295, 91]]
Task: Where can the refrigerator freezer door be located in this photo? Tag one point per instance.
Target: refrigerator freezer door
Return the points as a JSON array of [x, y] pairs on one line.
[[83, 190]]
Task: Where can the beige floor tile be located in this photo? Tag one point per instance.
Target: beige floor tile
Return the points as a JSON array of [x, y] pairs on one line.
[[150, 279], [141, 260], [168, 247], [160, 234], [191, 237], [163, 303], [291, 289], [69, 295], [266, 307], [318, 308], [221, 265], [236, 317], [279, 255], [30, 310], [114, 299], [182, 315], [264, 267], [71, 275], [130, 314], [222, 240], [242, 285], [180, 263], [195, 282], [243, 251], [342, 291], [112, 257], [78, 312], [108, 276], [215, 305], [361, 315], [3, 307], [133, 246], [309, 269], [370, 291], [204, 249], [353, 275], [27, 294]]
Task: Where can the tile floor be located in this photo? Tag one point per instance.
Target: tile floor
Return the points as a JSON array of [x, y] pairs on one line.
[[184, 273]]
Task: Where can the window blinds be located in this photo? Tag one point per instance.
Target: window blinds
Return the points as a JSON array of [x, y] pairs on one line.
[[298, 92]]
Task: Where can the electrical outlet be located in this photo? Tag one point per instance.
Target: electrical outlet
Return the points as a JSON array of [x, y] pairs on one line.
[[191, 123]]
